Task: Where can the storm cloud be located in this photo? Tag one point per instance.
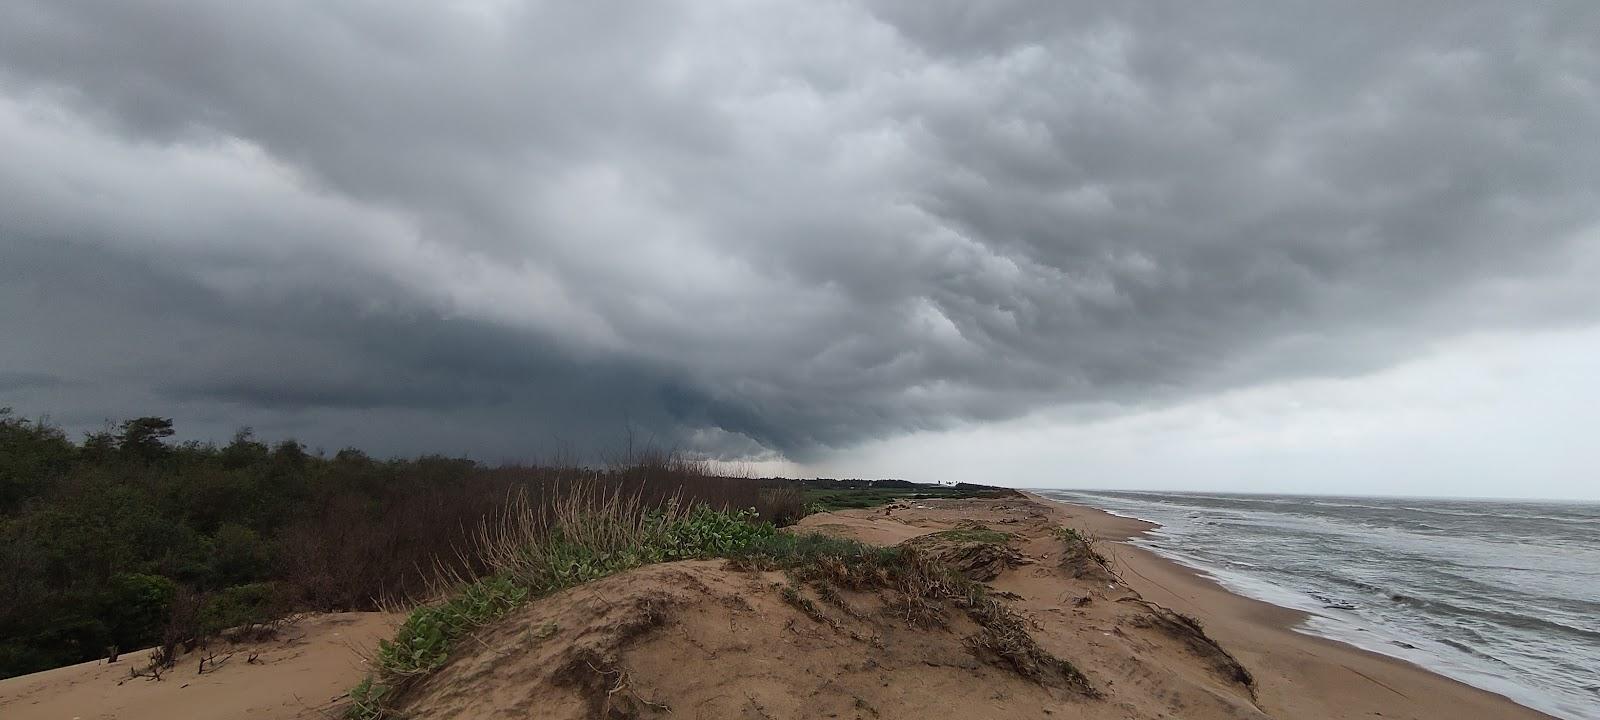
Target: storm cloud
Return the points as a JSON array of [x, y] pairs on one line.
[[768, 228]]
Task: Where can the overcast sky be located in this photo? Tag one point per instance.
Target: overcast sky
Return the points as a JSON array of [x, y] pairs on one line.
[[1330, 247]]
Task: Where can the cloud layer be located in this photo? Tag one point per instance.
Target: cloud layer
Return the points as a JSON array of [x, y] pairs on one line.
[[768, 227]]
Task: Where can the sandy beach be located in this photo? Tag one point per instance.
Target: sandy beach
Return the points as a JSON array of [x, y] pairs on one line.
[[301, 675], [759, 653], [1298, 675]]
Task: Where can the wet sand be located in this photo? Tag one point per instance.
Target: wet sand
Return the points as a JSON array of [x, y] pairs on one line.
[[1299, 676]]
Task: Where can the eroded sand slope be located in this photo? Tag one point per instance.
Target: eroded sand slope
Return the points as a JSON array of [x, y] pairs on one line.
[[707, 640]]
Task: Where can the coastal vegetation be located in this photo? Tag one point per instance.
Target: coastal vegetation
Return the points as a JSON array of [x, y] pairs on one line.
[[125, 539]]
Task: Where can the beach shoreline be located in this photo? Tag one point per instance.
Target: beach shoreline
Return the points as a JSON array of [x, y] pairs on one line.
[[1243, 660], [1300, 675]]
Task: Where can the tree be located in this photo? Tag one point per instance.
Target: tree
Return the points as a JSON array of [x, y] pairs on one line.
[[244, 451], [141, 437], [32, 456]]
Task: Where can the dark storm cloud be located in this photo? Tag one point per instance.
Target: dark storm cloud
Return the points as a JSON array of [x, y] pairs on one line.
[[306, 359], [777, 224]]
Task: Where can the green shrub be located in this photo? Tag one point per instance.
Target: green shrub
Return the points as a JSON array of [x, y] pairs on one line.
[[368, 700], [239, 554], [782, 506], [136, 608], [239, 606]]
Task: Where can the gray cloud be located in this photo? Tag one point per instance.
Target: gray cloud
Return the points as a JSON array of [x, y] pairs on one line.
[[780, 225], [15, 381]]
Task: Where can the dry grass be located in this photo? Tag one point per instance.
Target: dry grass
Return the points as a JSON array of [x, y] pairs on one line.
[[1003, 639], [1081, 556], [976, 551], [918, 590]]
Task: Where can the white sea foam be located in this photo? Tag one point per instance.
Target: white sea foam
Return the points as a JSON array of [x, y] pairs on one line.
[[1501, 595]]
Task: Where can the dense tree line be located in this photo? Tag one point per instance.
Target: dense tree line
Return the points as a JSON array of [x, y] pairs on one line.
[[118, 539]]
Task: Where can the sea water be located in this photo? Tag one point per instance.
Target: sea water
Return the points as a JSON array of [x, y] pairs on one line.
[[1503, 595]]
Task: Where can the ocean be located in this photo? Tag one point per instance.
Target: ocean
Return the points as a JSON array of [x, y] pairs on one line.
[[1503, 595]]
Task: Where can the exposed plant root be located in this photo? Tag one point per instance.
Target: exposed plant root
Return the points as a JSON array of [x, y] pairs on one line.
[[598, 674], [1188, 630]]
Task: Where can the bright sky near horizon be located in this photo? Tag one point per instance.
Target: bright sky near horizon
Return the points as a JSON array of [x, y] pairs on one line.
[[1501, 416], [1292, 247]]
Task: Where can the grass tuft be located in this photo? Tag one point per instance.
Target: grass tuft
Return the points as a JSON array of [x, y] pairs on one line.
[[536, 550], [1081, 554]]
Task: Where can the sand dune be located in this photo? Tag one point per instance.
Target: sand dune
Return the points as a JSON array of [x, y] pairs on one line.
[[705, 639]]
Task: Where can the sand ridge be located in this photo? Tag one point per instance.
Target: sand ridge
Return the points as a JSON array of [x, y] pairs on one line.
[[707, 639]]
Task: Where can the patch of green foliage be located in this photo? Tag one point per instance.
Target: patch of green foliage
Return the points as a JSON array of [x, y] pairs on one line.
[[238, 606], [136, 603], [1066, 534], [425, 638], [790, 551], [368, 699], [846, 499], [974, 535]]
